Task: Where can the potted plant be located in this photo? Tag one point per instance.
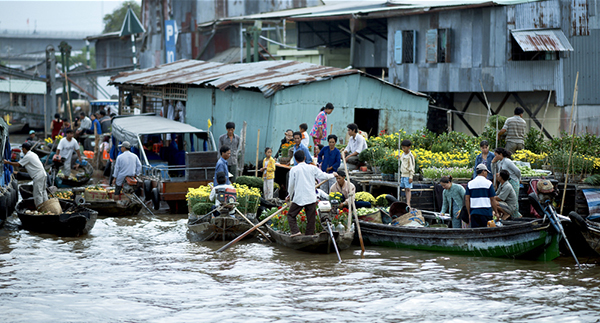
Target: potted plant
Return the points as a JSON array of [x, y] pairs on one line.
[[286, 151]]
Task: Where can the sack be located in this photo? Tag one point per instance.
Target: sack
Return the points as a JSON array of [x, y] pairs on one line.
[[408, 218], [52, 206]]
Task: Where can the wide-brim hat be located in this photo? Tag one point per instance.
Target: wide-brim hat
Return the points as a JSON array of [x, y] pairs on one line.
[[545, 186]]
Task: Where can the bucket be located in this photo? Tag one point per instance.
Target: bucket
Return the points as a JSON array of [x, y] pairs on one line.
[[52, 206]]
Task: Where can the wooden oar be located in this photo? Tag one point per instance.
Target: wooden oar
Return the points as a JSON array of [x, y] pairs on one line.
[[352, 208], [243, 235], [247, 220]]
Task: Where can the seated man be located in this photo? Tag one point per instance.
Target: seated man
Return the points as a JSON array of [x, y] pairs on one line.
[[356, 144], [127, 164], [341, 185], [508, 204], [222, 184]]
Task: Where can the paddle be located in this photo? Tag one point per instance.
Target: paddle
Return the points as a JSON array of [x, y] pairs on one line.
[[333, 239], [250, 222], [243, 235], [352, 208]]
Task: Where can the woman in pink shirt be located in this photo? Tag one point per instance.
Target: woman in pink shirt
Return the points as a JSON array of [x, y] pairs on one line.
[[319, 129]]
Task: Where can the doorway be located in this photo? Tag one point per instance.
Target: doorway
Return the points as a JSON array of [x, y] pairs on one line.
[[367, 120]]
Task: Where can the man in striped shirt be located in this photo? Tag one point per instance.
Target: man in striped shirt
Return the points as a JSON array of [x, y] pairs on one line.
[[479, 198], [515, 128]]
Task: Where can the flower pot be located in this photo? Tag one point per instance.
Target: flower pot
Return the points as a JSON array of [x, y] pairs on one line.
[[284, 160]]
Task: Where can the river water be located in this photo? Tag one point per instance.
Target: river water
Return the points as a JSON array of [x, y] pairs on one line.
[[144, 269]]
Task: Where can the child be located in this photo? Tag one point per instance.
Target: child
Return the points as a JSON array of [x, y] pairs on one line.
[[303, 127], [269, 174], [317, 150], [407, 169]]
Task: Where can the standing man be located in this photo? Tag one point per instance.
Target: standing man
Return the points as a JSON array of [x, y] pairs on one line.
[[96, 127], [356, 144], [303, 194], [105, 121], [299, 146], [231, 140], [35, 169], [479, 198], [222, 164], [515, 128], [67, 146], [85, 125], [127, 164]]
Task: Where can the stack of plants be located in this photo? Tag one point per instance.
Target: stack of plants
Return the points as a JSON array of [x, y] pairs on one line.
[[199, 203]]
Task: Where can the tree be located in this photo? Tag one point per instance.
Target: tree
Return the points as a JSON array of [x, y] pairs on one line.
[[114, 21]]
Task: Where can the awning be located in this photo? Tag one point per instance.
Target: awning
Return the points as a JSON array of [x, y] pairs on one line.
[[128, 128], [542, 40]]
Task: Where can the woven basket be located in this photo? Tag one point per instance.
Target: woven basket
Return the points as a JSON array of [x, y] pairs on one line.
[[52, 206]]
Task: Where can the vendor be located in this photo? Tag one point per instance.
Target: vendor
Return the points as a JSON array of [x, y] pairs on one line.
[[35, 169], [356, 144], [508, 205], [127, 164], [32, 137], [342, 186], [289, 138], [67, 146]]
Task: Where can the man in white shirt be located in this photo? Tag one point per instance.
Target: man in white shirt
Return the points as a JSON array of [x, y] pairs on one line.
[[35, 169], [222, 184], [356, 144], [302, 192], [67, 146], [127, 164], [85, 125]]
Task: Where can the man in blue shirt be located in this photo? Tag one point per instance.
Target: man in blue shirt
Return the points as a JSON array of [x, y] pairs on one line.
[[299, 146], [127, 164], [330, 159], [479, 198], [95, 124], [222, 164]]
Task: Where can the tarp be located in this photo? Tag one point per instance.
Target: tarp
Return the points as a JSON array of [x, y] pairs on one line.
[[129, 128], [592, 195]]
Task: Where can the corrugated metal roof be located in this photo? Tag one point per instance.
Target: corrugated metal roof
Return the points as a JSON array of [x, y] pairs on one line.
[[542, 40], [23, 86], [344, 8], [266, 76]]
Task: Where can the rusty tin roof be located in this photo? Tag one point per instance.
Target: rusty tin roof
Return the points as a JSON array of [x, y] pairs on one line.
[[266, 76], [542, 40]]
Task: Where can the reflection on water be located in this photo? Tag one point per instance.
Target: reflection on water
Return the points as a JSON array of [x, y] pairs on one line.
[[144, 269]]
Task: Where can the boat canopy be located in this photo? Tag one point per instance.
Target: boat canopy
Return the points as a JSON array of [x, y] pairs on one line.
[[129, 128]]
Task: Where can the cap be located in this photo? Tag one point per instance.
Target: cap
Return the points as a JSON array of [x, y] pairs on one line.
[[125, 144], [31, 132], [483, 167]]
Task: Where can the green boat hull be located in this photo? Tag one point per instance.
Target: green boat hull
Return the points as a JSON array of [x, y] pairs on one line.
[[532, 241]]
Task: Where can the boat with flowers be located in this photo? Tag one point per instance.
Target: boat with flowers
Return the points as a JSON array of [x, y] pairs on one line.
[[321, 241], [235, 216], [524, 238]]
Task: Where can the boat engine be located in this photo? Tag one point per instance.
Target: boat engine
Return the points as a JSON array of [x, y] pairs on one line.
[[328, 210]]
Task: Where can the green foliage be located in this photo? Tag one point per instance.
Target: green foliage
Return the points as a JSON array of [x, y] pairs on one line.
[[534, 141], [372, 154], [250, 181], [489, 132], [389, 164], [202, 208], [114, 21], [593, 180], [422, 138]]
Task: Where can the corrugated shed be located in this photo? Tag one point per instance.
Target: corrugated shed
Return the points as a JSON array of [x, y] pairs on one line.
[[536, 40], [541, 14], [267, 76]]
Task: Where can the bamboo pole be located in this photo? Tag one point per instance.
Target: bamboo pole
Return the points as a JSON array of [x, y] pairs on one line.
[[352, 208], [487, 103], [257, 145], [573, 106], [68, 99], [242, 156]]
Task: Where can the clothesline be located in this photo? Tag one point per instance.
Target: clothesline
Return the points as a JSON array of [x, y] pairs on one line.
[[485, 115]]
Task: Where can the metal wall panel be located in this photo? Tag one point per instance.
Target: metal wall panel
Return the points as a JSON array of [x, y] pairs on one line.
[[541, 14], [585, 60]]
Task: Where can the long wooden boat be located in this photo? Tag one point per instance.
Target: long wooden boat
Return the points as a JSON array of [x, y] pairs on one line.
[[592, 235], [106, 207], [73, 222], [220, 228], [516, 239], [316, 243]]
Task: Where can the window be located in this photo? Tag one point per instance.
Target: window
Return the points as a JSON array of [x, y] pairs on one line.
[[437, 46], [517, 54], [405, 49]]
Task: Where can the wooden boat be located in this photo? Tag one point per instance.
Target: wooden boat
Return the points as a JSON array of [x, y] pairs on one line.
[[107, 207], [592, 235], [316, 243], [220, 228], [67, 224], [516, 239]]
